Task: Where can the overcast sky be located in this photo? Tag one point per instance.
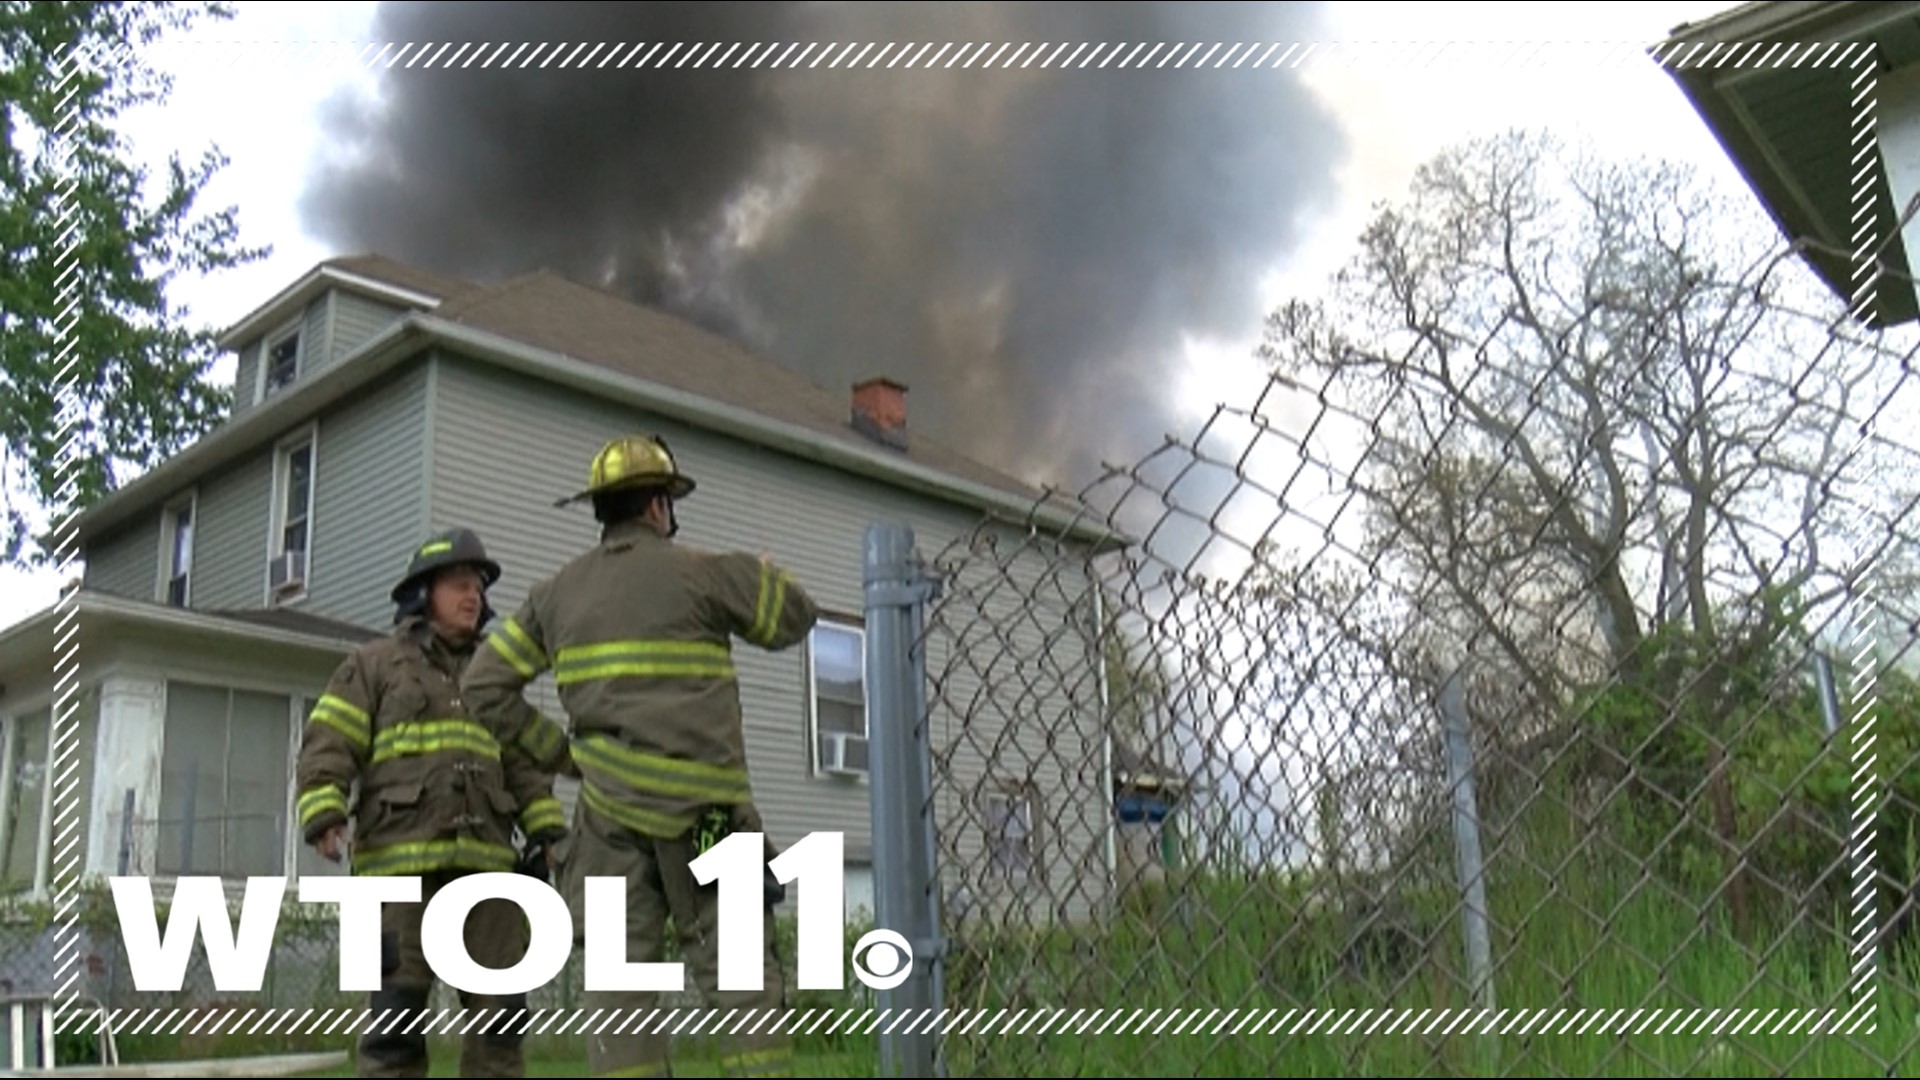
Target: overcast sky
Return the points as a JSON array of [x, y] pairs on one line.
[[259, 104]]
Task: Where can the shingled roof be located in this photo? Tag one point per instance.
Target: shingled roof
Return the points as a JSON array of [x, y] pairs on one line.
[[412, 278], [550, 312], [298, 622]]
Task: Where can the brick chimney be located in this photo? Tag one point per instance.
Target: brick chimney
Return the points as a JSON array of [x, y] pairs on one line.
[[880, 411]]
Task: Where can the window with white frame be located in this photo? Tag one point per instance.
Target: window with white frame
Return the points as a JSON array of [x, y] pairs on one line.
[[177, 565], [224, 777], [292, 521], [837, 698], [1010, 817], [280, 360], [25, 801]]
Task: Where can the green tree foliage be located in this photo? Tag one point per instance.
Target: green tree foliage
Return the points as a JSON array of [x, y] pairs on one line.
[[89, 245]]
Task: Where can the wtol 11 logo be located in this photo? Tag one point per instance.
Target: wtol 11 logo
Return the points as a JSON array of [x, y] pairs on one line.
[[882, 959]]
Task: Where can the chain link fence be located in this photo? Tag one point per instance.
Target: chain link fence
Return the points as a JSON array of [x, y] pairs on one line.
[[1522, 684]]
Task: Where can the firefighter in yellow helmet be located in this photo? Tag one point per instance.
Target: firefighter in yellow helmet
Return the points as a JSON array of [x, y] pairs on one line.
[[638, 634], [439, 797]]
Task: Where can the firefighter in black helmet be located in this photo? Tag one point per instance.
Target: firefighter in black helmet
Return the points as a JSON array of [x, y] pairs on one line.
[[439, 798]]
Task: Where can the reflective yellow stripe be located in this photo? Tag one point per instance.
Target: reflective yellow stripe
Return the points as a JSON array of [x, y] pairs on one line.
[[649, 822], [319, 801], [657, 775], [356, 736], [347, 708], [543, 739], [429, 855], [342, 717], [512, 656], [542, 813], [658, 659], [524, 642], [772, 603], [434, 737], [435, 548]]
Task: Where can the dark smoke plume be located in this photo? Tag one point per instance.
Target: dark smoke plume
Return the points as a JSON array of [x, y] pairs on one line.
[[1024, 248]]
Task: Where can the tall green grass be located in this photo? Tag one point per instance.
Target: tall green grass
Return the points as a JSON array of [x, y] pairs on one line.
[[1638, 936]]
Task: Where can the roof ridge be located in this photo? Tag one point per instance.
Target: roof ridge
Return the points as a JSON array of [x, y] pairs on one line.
[[831, 408], [370, 263]]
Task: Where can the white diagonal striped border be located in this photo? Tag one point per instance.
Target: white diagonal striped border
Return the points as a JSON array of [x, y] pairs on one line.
[[1476, 56], [1030, 1021], [1473, 56], [68, 824]]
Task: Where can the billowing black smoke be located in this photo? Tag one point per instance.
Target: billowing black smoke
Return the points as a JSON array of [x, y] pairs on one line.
[[1024, 248]]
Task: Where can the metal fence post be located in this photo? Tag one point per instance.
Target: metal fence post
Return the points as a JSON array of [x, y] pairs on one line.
[[1466, 831], [1859, 861], [905, 887]]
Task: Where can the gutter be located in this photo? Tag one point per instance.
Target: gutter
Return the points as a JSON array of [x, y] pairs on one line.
[[1799, 21]]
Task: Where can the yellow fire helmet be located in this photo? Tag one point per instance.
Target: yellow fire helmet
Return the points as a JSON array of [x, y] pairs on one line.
[[633, 461]]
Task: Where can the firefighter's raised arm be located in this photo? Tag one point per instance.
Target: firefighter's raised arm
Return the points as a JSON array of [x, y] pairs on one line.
[[763, 604]]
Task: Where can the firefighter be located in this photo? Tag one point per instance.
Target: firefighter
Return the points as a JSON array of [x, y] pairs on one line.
[[439, 797], [638, 634]]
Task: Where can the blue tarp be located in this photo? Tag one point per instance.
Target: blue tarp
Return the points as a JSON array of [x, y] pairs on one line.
[[1134, 809]]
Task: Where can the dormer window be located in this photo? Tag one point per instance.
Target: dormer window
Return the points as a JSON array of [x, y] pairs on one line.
[[280, 361]]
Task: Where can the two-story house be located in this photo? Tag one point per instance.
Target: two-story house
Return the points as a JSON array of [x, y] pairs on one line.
[[375, 403]]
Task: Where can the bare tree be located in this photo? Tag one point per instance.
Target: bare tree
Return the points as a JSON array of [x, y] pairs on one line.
[[1611, 412]]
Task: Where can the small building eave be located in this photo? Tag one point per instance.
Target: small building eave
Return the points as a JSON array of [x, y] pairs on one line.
[[1787, 123], [316, 283], [35, 643]]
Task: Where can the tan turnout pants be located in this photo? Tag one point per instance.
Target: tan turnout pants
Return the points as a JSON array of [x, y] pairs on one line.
[[395, 1045], [660, 887]]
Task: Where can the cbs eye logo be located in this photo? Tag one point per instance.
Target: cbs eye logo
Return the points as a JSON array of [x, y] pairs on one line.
[[882, 959]]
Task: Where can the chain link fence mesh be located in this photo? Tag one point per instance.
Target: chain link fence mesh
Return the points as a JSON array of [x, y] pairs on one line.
[[1538, 642]]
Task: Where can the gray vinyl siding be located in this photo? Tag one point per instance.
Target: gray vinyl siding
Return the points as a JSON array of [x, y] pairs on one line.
[[313, 340], [368, 493], [230, 544], [356, 320], [128, 562], [499, 433], [246, 377]]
